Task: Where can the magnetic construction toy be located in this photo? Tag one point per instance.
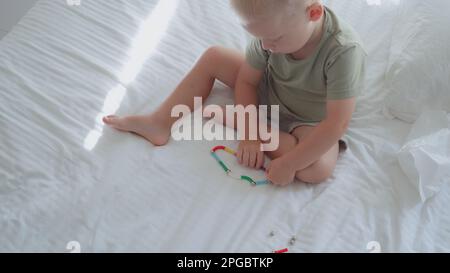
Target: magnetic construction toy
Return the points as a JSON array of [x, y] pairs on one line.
[[229, 172]]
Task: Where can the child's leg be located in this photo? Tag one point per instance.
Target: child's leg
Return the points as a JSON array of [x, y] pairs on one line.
[[215, 63], [286, 143], [317, 172]]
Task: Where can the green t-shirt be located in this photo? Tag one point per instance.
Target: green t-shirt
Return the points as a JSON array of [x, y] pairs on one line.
[[301, 88]]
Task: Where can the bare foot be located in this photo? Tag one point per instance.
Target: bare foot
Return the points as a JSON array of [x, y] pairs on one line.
[[147, 127]]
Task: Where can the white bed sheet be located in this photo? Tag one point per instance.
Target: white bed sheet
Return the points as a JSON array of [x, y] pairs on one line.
[[64, 177]]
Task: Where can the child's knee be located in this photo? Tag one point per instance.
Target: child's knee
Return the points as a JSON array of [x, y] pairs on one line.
[[213, 53], [207, 59], [317, 173]]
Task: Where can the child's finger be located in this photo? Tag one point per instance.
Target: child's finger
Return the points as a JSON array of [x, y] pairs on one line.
[[267, 169], [246, 158], [252, 162], [239, 156], [268, 176], [260, 160]]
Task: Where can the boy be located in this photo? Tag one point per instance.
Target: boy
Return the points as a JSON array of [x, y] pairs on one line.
[[302, 58]]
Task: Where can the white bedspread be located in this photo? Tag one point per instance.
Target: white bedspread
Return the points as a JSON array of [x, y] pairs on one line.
[[64, 177]]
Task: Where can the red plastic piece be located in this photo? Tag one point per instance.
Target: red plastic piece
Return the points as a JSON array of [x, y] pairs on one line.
[[218, 148], [284, 250]]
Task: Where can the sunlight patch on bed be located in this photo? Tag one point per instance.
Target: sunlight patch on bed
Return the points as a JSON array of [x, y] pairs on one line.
[[380, 2], [145, 42]]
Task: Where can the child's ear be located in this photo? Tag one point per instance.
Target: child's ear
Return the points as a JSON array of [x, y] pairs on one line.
[[315, 12]]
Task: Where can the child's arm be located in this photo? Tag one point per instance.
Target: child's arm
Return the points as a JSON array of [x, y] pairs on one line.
[[246, 85], [249, 152], [319, 141]]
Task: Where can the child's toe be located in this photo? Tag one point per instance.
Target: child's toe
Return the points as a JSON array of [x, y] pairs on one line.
[[109, 119]]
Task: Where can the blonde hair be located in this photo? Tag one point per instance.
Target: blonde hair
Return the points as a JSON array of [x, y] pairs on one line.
[[262, 8]]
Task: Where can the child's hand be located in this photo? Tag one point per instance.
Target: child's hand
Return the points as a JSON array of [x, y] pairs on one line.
[[249, 154], [280, 172]]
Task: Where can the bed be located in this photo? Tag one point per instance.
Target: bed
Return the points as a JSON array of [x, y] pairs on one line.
[[66, 178]]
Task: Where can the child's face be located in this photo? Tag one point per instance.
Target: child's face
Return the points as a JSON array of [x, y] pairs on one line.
[[280, 35]]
